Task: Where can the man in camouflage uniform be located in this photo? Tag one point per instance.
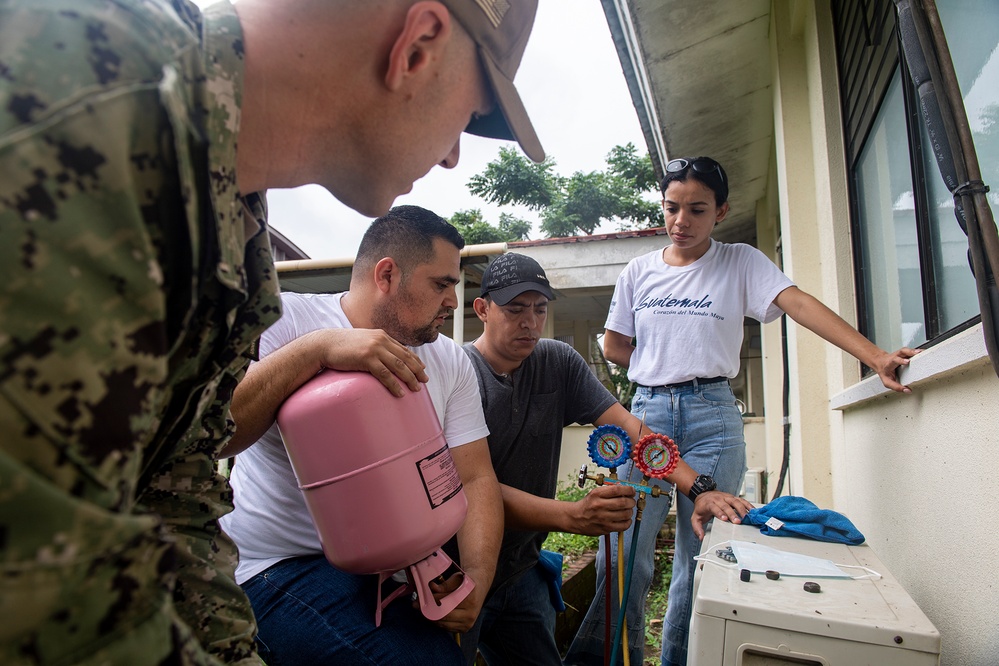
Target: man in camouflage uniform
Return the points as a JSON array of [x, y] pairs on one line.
[[136, 274]]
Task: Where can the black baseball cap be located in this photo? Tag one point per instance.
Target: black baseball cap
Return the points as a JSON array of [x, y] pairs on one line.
[[510, 275]]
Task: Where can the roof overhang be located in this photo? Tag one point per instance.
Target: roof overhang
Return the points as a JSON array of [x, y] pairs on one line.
[[699, 76]]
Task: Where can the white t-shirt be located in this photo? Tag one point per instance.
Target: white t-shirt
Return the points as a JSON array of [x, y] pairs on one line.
[[688, 320], [270, 521]]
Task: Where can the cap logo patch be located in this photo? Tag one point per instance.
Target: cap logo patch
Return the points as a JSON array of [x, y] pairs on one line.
[[494, 9]]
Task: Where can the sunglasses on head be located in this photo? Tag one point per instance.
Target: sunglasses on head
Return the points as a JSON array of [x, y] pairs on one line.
[[700, 165]]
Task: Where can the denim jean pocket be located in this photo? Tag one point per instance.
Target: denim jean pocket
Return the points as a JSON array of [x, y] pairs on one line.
[[638, 402], [717, 394]]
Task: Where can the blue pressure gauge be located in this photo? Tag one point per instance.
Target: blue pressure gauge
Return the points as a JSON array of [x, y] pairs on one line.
[[609, 446]]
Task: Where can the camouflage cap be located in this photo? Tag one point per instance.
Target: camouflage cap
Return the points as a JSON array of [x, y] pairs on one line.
[[501, 28]]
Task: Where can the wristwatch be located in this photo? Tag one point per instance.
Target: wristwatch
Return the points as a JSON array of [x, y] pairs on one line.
[[702, 484]]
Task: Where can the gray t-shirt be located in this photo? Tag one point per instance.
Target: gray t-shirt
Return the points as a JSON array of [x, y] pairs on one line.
[[525, 413]]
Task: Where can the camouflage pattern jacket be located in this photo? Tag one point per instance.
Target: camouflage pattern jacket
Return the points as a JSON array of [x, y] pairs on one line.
[[134, 280]]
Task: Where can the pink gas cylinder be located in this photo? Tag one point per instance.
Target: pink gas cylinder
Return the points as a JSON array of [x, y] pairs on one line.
[[379, 481]]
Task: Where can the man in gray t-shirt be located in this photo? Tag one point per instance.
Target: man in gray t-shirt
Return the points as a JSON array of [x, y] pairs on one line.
[[531, 389]]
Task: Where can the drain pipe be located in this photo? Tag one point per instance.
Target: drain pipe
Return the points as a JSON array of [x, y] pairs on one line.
[[785, 402]]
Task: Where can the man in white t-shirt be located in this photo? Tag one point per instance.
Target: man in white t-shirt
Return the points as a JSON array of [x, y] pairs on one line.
[[401, 291]]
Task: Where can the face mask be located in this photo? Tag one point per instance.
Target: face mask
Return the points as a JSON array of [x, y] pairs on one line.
[[761, 559]]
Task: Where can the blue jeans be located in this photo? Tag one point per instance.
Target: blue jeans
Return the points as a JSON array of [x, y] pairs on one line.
[[707, 427], [516, 625], [310, 613]]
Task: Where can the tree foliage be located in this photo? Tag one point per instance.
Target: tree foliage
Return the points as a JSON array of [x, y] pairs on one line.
[[576, 204], [512, 178], [513, 228], [624, 162], [476, 231]]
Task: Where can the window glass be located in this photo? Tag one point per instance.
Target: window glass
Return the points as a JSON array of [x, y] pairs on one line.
[[972, 29], [889, 262]]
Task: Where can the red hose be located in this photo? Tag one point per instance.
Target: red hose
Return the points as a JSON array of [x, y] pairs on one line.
[[607, 599]]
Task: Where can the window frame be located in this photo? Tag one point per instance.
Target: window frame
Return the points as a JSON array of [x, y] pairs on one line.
[[868, 51]]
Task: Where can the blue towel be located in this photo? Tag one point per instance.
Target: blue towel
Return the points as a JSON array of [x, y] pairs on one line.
[[551, 568], [802, 518]]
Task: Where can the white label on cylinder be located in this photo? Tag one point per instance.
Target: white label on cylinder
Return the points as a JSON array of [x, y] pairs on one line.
[[440, 476]]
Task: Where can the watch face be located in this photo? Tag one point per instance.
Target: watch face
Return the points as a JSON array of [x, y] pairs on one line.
[[702, 484]]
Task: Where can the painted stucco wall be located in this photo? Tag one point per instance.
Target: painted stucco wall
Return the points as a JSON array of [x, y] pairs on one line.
[[920, 474], [812, 207], [916, 473]]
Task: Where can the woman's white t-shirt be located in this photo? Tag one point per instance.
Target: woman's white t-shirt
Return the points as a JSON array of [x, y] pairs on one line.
[[688, 320]]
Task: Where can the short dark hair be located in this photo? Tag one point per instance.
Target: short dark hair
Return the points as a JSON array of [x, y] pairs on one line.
[[714, 177], [406, 234]]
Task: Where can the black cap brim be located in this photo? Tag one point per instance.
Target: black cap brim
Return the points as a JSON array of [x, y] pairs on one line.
[[504, 295]]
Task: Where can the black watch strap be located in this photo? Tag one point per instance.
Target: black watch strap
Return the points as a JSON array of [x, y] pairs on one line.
[[702, 484]]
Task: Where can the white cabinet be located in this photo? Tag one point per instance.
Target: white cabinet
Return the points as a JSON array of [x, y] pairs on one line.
[[767, 622]]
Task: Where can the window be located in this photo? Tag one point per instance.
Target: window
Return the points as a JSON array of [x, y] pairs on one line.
[[889, 257], [913, 275]]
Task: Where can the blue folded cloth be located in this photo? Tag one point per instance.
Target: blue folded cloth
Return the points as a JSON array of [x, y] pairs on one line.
[[801, 518], [551, 566]]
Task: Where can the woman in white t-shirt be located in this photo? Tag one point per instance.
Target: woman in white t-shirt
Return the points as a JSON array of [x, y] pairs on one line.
[[684, 306]]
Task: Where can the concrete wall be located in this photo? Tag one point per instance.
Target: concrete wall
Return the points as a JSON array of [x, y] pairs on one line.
[[814, 228], [916, 473], [574, 453], [920, 477], [570, 266]]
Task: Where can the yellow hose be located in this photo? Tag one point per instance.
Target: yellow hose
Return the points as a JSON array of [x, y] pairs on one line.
[[620, 596]]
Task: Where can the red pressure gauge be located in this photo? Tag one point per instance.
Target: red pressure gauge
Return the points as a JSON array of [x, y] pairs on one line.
[[656, 456]]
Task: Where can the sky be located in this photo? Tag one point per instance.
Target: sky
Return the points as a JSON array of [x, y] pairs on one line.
[[572, 85]]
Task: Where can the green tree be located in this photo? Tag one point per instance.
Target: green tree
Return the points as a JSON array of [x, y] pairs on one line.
[[624, 162], [476, 231], [512, 178], [514, 228], [579, 203]]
